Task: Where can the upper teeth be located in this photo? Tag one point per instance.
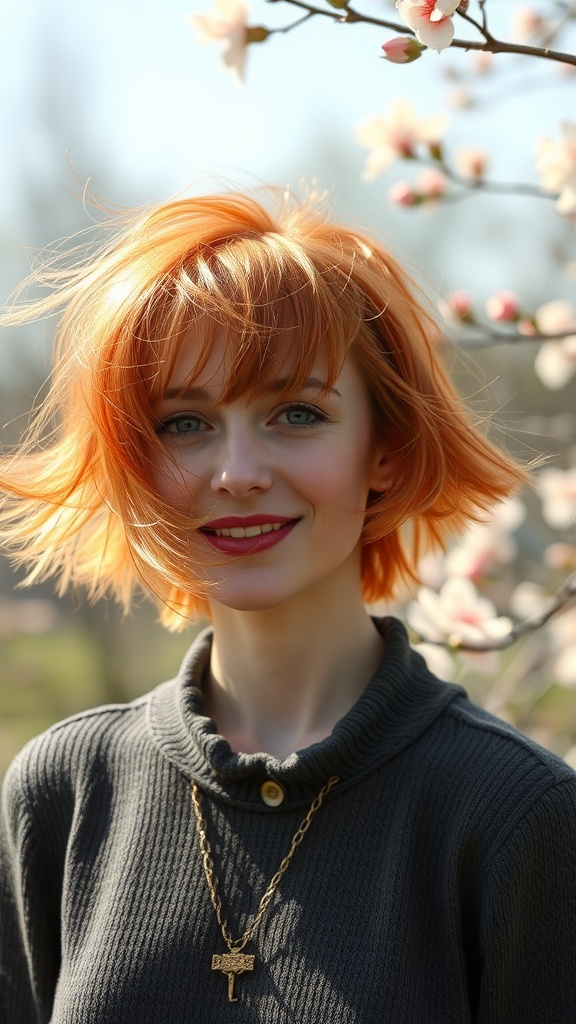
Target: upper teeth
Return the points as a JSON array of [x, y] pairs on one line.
[[248, 531]]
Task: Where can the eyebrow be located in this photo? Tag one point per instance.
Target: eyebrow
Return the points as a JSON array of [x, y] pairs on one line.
[[196, 394]]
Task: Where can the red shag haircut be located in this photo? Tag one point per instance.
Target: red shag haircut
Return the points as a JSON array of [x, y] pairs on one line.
[[78, 501]]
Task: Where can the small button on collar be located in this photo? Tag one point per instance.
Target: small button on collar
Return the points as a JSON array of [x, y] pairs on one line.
[[271, 793]]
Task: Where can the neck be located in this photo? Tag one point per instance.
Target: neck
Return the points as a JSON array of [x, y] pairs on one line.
[[282, 678]]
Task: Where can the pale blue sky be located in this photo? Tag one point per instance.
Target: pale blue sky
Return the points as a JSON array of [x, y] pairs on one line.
[[147, 101], [164, 107]]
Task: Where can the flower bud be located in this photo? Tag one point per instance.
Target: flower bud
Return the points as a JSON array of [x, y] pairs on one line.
[[402, 50], [435, 151], [503, 306], [257, 34], [472, 161], [401, 193], [430, 183], [457, 306]]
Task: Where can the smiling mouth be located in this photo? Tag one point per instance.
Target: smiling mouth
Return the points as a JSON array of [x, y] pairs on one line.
[[248, 531], [249, 539]]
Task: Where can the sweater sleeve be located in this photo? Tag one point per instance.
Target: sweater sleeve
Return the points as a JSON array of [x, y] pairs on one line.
[[29, 915], [528, 928]]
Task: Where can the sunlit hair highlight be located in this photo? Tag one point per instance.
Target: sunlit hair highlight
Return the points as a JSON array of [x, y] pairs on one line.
[[288, 289]]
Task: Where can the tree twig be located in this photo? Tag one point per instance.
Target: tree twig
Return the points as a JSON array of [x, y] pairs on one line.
[[490, 44], [562, 598], [474, 185], [492, 336]]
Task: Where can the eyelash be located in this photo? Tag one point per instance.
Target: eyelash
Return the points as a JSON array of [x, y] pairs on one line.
[[318, 417], [164, 426]]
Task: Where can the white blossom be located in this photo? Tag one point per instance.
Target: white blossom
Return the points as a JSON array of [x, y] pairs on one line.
[[555, 363], [456, 614], [556, 165], [396, 134], [557, 491], [228, 26], [430, 20]]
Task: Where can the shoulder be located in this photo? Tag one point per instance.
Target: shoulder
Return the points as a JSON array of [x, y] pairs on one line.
[[90, 745], [496, 782], [488, 741]]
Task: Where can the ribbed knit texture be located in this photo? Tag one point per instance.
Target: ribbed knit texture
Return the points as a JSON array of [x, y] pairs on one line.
[[437, 885]]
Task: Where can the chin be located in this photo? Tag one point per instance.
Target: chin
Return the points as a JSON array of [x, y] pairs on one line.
[[249, 602]]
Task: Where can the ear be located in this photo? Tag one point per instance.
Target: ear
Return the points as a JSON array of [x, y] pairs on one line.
[[383, 468]]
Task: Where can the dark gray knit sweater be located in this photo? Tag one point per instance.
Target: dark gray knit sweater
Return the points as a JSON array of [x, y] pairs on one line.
[[437, 885]]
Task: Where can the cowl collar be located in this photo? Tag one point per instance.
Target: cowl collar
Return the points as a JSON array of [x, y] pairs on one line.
[[399, 703]]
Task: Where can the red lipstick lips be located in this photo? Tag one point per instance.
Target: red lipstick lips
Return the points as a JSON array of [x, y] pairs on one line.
[[244, 535]]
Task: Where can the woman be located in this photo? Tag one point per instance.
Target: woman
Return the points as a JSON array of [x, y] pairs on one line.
[[305, 825]]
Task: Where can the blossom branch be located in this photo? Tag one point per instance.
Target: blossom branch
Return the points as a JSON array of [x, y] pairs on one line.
[[562, 598], [489, 45], [490, 336], [283, 29], [471, 185], [482, 28]]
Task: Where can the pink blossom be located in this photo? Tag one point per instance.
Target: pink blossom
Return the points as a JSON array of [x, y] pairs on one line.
[[456, 614], [401, 193], [555, 363], [228, 26], [428, 187], [526, 24], [557, 491], [556, 166], [503, 306], [430, 183], [430, 20], [397, 134], [402, 50], [456, 307], [526, 327], [472, 161], [560, 556]]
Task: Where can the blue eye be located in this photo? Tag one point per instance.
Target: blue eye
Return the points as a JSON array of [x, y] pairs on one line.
[[301, 416], [182, 424]]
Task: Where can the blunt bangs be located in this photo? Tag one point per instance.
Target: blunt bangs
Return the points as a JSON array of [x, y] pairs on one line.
[[280, 313]]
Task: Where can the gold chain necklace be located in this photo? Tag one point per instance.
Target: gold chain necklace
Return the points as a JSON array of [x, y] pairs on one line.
[[235, 961]]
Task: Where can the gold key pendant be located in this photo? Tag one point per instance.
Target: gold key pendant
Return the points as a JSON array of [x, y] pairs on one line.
[[232, 964]]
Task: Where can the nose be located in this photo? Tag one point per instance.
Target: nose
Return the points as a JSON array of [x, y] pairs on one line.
[[241, 467]]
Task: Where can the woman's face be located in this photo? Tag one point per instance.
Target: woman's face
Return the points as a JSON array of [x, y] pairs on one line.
[[282, 484]]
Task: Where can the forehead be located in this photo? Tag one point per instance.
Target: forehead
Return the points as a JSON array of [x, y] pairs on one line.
[[212, 382], [205, 356]]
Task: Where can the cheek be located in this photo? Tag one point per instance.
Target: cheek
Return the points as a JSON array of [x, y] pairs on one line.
[[342, 465], [337, 486], [171, 480]]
